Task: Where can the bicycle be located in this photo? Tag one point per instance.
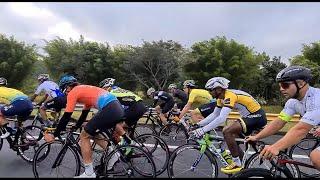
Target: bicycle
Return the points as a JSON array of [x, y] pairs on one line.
[[201, 157], [282, 166], [25, 140], [67, 157], [302, 150]]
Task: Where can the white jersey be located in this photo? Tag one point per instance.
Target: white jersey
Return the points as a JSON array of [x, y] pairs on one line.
[[308, 107], [50, 88]]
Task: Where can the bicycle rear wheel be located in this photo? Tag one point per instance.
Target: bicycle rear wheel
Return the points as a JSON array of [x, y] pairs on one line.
[[29, 141], [253, 173], [157, 148], [174, 134], [49, 153]]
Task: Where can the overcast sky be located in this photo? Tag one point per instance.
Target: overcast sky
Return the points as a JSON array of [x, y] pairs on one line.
[[279, 29]]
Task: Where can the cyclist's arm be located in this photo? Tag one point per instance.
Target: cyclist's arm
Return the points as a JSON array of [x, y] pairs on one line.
[[62, 123], [220, 119], [33, 97], [271, 128], [293, 136], [211, 117], [82, 117], [185, 109]]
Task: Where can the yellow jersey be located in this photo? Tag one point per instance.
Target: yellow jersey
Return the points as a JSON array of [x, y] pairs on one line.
[[8, 95], [239, 100], [199, 97]]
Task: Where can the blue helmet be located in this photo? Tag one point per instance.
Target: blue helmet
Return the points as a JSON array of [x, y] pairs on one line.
[[66, 80]]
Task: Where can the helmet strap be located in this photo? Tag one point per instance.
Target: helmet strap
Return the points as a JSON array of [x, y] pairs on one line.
[[298, 90]]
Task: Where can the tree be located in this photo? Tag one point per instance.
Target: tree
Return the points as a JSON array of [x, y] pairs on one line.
[[310, 58], [90, 62], [220, 57], [16, 60], [154, 64]]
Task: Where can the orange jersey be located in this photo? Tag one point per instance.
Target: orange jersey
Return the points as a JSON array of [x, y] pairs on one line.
[[87, 95]]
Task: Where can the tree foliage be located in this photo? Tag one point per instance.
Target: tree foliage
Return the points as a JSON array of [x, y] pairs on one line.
[[16, 60]]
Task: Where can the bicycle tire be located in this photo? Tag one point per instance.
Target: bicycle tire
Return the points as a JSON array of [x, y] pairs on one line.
[[143, 129], [181, 152], [158, 150], [128, 160], [294, 169], [43, 168], [1, 143], [295, 153], [174, 134], [27, 140], [253, 173]]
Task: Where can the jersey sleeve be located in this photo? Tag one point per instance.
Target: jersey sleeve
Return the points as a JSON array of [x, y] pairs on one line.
[[192, 97], [288, 111], [39, 89]]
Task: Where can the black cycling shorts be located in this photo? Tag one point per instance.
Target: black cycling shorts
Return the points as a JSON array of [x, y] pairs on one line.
[[20, 107], [166, 106], [254, 121], [106, 118], [56, 103], [134, 113], [207, 109]]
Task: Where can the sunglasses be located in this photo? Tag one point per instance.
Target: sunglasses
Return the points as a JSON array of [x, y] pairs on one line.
[[285, 85]]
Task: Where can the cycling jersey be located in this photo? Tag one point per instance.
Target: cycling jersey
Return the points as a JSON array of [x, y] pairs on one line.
[[50, 88], [308, 107], [199, 97], [126, 98], [8, 95], [239, 100], [90, 96], [181, 95]]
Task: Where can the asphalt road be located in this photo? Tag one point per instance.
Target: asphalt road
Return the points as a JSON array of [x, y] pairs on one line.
[[11, 165]]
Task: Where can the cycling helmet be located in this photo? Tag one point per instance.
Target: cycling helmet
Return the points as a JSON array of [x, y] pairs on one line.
[[43, 77], [189, 83], [106, 82], [293, 73], [172, 86], [66, 80], [150, 91], [217, 82], [3, 81]]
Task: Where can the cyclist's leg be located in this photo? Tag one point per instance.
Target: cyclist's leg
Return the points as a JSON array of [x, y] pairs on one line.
[[106, 118], [315, 157], [166, 107]]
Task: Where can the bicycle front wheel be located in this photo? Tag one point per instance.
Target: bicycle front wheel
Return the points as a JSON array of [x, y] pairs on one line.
[[56, 160], [301, 152], [187, 161], [129, 161], [174, 134]]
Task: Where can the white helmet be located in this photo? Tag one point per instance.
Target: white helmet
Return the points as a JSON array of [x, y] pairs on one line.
[[189, 83], [172, 86], [3, 81], [150, 91], [43, 77], [217, 82], [108, 82]]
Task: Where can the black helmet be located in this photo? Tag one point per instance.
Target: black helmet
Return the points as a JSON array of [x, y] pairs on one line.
[[293, 73]]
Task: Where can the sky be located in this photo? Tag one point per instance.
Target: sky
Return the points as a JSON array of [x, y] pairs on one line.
[[277, 28]]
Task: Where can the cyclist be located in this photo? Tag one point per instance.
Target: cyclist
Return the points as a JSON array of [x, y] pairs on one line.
[[132, 104], [109, 114], [252, 118], [53, 99], [178, 93], [199, 98], [15, 103], [303, 99], [166, 103]]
